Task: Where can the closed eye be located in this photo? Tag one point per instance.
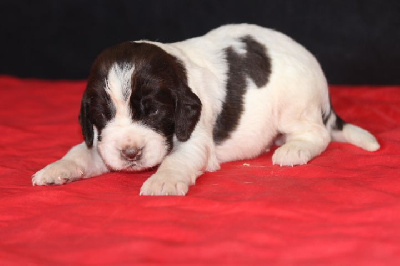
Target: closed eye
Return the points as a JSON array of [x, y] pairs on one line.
[[153, 112]]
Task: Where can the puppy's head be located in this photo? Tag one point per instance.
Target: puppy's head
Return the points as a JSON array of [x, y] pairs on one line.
[[136, 101]]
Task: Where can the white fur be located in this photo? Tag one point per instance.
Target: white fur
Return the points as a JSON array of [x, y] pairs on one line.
[[120, 133], [118, 88], [289, 104]]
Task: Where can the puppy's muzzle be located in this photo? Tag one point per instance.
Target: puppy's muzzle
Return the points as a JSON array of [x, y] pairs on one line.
[[131, 154]]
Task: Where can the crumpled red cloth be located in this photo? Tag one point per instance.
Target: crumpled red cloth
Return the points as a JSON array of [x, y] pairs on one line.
[[343, 207]]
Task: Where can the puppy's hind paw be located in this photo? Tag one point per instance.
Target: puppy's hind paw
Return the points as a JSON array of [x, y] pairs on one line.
[[292, 153]]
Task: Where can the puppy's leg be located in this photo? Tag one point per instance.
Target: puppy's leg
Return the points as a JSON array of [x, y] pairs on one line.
[[304, 141], [79, 162], [178, 171]]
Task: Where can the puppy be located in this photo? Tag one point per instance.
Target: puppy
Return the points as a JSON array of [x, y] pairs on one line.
[[187, 107]]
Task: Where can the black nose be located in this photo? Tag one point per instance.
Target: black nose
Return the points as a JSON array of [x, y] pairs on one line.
[[131, 154]]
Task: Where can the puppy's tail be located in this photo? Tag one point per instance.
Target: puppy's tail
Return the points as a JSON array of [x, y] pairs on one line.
[[345, 132]]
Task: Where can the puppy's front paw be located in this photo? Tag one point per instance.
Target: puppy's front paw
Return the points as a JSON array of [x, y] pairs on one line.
[[160, 185], [57, 173]]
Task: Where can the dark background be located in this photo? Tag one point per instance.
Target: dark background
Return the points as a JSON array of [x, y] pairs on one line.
[[357, 42]]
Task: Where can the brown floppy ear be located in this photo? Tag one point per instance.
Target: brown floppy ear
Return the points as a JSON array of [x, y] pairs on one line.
[[86, 124], [187, 113]]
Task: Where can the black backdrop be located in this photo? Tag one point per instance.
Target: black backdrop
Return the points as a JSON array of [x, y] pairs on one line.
[[357, 42]]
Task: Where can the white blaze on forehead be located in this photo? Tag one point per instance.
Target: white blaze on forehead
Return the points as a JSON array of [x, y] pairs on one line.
[[118, 86]]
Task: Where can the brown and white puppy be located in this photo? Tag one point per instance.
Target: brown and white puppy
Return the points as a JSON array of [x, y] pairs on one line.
[[186, 107]]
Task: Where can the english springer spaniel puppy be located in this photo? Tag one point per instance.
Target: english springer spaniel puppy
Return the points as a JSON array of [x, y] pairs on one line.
[[189, 106]]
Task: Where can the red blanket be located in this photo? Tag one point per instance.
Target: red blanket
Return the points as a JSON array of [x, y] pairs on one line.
[[343, 207]]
